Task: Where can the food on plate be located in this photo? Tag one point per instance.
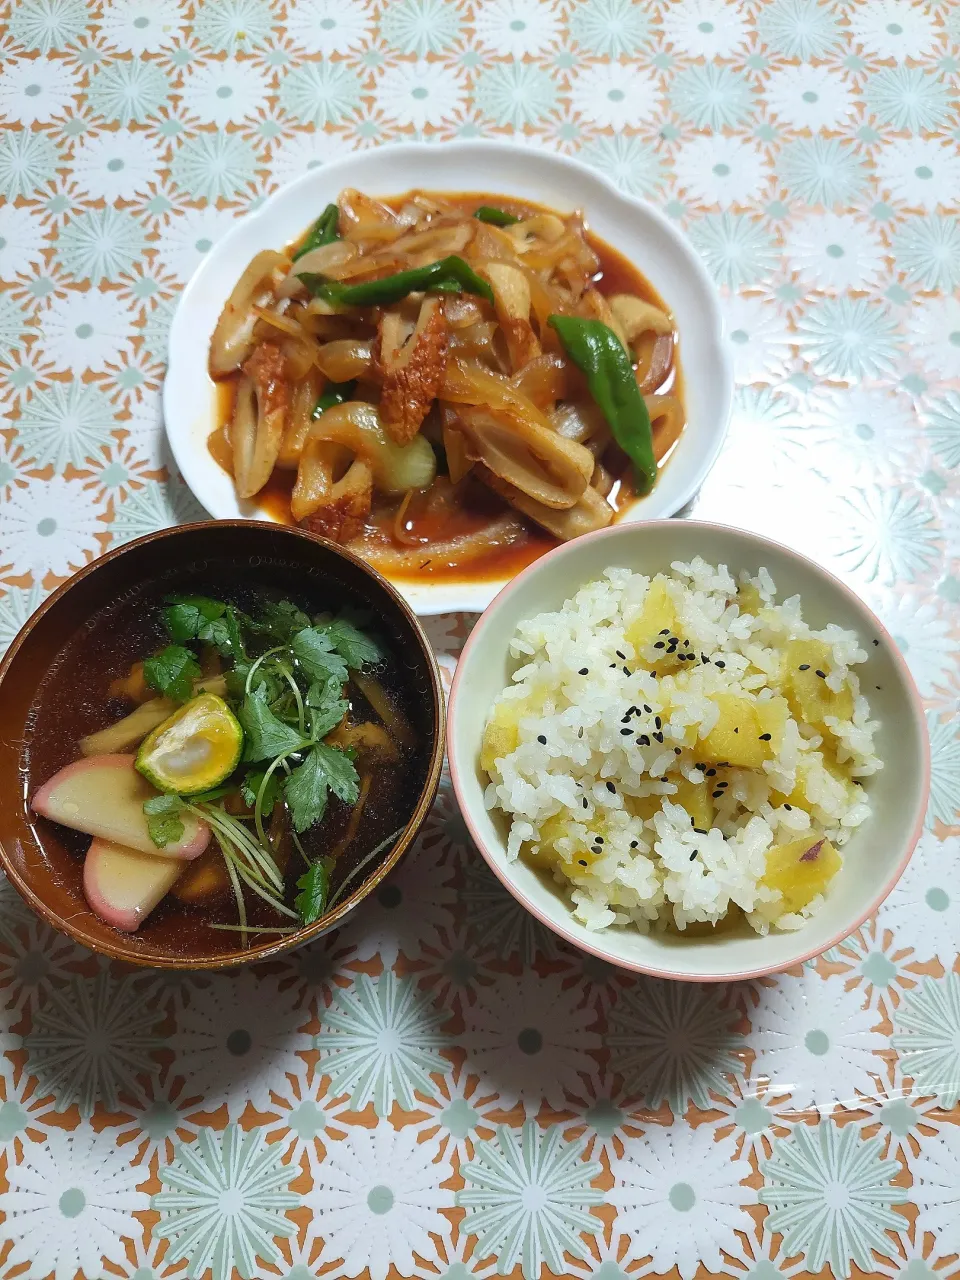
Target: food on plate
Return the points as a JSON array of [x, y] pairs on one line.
[[256, 758], [449, 384], [682, 751]]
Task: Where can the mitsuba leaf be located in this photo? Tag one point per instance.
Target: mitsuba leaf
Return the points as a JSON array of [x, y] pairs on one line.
[[250, 789], [314, 887], [172, 672], [356, 649], [281, 619], [266, 736], [314, 650], [338, 771], [306, 793], [185, 616], [164, 825]]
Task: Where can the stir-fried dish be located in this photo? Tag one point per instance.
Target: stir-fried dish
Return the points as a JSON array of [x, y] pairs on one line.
[[261, 757], [446, 383]]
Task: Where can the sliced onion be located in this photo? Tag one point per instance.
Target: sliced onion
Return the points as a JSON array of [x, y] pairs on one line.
[[345, 359], [592, 511]]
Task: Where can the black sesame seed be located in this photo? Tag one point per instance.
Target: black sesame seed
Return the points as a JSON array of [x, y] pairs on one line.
[[625, 733], [676, 751], [711, 773], [627, 671], [720, 664], [664, 632], [584, 671], [596, 849], [659, 645], [658, 722], [644, 740], [686, 644], [583, 862], [613, 664], [634, 844], [694, 854], [765, 737], [598, 839], [722, 786], [658, 737], [716, 794], [789, 808], [821, 674], [702, 768], [647, 708], [736, 730], [621, 656], [804, 666], [580, 732], [586, 803], [704, 658], [664, 779], [541, 739], [701, 831], [611, 788], [876, 643]]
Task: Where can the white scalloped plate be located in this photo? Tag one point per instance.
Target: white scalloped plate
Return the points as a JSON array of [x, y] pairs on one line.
[[637, 230]]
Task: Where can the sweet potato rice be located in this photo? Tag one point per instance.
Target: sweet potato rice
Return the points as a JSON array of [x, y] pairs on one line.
[[682, 751]]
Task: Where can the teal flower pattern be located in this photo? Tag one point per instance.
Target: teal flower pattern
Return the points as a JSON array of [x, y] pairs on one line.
[[100, 245], [830, 1194], [66, 422], [225, 1203], [928, 250], [635, 166], [516, 93], [609, 28], [527, 1197], [422, 26], [320, 93], [944, 769], [213, 165], [673, 1042], [849, 337], [27, 161], [380, 1041], [155, 506], [42, 25], [822, 170], [799, 28], [128, 92], [711, 96], [738, 251], [943, 428], [229, 26], [926, 1035], [906, 98]]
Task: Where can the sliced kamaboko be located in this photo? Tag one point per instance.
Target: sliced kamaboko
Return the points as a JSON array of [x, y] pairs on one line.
[[122, 886], [104, 796]]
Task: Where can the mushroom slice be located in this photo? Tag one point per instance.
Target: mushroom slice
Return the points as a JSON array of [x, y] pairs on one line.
[[258, 419], [511, 291], [232, 339], [590, 512], [412, 370]]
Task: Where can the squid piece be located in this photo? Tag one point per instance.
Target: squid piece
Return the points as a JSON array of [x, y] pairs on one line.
[[511, 291], [233, 339], [258, 419], [412, 369], [590, 512]]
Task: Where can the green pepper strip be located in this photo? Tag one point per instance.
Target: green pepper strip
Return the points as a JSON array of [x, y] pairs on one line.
[[449, 274], [325, 230], [335, 393], [598, 353], [496, 217]]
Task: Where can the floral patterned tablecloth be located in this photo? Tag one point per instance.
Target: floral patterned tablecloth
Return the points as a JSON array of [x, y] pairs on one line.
[[441, 1088]]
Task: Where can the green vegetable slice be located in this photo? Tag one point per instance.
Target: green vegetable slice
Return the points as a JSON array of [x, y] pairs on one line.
[[194, 749], [334, 393], [325, 230], [496, 217], [599, 354], [447, 274]]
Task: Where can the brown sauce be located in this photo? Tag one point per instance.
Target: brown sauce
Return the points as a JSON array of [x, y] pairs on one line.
[[479, 508]]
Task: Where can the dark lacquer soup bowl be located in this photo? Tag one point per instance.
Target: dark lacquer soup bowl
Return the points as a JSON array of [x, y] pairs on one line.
[[58, 686]]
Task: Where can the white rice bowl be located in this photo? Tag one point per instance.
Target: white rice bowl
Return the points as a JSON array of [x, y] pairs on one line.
[[596, 800]]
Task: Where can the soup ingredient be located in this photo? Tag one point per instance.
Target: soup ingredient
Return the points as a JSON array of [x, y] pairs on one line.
[[122, 886], [495, 217], [652, 755], [599, 354], [313, 891], [195, 749], [126, 733], [324, 231], [104, 796], [172, 672]]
